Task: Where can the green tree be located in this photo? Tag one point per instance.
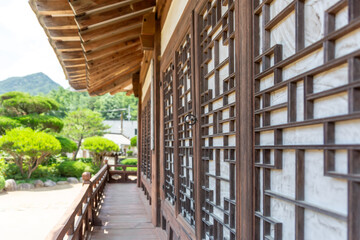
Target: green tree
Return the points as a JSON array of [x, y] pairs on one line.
[[67, 145], [28, 111], [82, 124], [98, 147], [7, 123], [29, 147], [133, 141]]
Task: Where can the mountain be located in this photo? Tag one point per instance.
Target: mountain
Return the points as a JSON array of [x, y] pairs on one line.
[[34, 84]]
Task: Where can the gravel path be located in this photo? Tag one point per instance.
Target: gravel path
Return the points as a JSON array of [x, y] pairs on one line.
[[32, 214]]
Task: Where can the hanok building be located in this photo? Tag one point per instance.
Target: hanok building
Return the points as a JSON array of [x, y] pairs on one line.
[[249, 110]]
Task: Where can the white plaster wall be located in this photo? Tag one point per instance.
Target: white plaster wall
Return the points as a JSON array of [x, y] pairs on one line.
[[331, 106], [319, 226], [300, 101], [307, 135], [278, 116], [147, 82], [279, 96], [347, 132], [277, 6], [283, 180], [347, 44], [267, 138], [267, 82], [330, 79], [341, 161], [326, 192], [285, 213], [284, 33], [176, 9]]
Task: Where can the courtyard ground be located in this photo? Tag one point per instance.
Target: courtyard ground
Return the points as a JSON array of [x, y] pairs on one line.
[[32, 214]]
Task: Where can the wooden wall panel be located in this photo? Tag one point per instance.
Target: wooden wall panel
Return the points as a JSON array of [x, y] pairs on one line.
[[306, 119], [218, 129]]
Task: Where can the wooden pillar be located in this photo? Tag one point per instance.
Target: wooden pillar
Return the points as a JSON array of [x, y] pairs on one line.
[[139, 140], [244, 120], [155, 194]]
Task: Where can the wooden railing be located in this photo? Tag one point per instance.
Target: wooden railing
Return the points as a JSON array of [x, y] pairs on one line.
[[82, 214], [121, 176]]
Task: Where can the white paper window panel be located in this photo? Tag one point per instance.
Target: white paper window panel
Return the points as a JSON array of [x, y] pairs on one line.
[[277, 6], [218, 141], [212, 167], [278, 116], [225, 127], [261, 228], [231, 97], [206, 109], [211, 130], [283, 180], [272, 60], [304, 64], [300, 101], [224, 169], [261, 188], [307, 135], [342, 18], [224, 193], [182, 101], [224, 9], [284, 213], [206, 142], [211, 118], [261, 120], [188, 83], [226, 233], [225, 113], [187, 143], [333, 105], [218, 30], [341, 161], [190, 164], [321, 190], [320, 226], [223, 51], [347, 132], [212, 185], [314, 19], [260, 35], [211, 83], [218, 104], [267, 82], [330, 79], [284, 33], [232, 140], [218, 213], [223, 72], [267, 138], [279, 96], [347, 44]]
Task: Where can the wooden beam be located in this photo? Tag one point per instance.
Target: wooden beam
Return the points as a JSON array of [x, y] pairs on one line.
[[112, 29], [81, 6], [87, 20], [109, 50], [148, 31], [114, 68], [101, 8], [63, 33], [113, 59], [136, 83], [119, 81], [111, 40], [106, 70], [52, 7], [69, 45], [58, 22]]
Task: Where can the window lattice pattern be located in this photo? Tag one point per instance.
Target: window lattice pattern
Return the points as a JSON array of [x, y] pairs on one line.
[[307, 123], [185, 132], [145, 143], [169, 135], [216, 25]]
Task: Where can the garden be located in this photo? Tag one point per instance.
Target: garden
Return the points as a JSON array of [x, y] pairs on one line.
[[35, 143]]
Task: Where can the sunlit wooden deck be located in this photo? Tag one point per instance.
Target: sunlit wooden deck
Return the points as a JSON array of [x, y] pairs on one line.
[[124, 215]]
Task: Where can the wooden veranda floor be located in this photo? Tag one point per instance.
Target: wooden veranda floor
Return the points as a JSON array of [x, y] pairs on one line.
[[124, 215]]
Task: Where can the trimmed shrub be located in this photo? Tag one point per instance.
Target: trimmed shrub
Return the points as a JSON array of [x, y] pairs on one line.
[[98, 147], [133, 141], [2, 183], [7, 123], [130, 161], [41, 122], [76, 168], [129, 153], [67, 145], [85, 160], [46, 171]]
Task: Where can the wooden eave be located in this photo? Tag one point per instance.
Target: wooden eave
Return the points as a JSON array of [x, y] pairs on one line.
[[98, 43]]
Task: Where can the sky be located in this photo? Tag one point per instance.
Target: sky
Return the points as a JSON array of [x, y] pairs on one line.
[[24, 47]]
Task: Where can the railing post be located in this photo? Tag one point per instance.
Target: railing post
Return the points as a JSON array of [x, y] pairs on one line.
[[86, 176]]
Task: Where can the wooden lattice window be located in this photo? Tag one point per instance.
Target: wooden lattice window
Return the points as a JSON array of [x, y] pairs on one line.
[[307, 123], [185, 130], [218, 130], [168, 110], [145, 143]]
